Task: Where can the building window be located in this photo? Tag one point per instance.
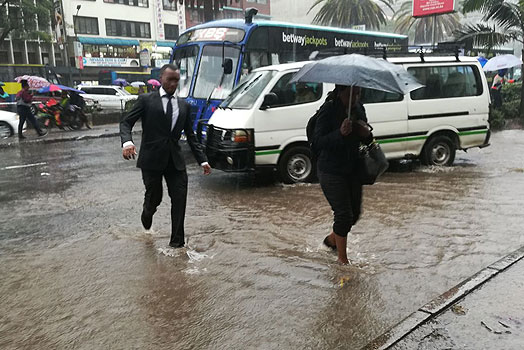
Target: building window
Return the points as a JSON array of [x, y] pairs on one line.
[[258, 1], [170, 6], [138, 3], [171, 31], [86, 25], [125, 28]]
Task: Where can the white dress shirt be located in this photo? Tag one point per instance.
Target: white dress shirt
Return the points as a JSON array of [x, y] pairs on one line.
[[174, 103]]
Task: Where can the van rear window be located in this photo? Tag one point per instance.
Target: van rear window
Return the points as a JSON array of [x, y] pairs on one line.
[[446, 82]]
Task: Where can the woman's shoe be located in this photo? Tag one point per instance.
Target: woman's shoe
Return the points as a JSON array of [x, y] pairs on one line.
[[328, 244]]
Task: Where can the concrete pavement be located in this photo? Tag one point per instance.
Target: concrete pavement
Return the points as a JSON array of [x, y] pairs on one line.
[[485, 311]]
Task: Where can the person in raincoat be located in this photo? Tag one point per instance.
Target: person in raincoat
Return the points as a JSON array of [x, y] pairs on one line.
[[496, 88], [336, 142]]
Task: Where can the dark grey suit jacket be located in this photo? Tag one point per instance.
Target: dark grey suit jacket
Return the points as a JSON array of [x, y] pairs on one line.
[[158, 141]]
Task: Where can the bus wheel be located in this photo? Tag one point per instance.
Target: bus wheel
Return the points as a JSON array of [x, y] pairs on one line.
[[296, 165], [439, 150]]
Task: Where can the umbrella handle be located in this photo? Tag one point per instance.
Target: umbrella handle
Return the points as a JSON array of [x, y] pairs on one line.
[[350, 98]]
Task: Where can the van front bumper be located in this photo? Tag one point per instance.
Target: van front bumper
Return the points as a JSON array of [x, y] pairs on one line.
[[225, 154]]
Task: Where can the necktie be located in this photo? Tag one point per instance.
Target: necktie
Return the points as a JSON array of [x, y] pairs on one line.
[[169, 109]]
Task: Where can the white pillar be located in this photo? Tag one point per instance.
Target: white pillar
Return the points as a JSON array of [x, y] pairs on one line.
[[11, 58], [26, 56]]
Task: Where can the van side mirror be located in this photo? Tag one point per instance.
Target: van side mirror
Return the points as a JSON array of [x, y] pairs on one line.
[[269, 100], [228, 66]]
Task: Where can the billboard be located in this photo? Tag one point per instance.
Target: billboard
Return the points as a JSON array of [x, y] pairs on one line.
[[423, 8]]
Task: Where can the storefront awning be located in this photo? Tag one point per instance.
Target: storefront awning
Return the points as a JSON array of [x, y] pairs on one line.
[[108, 41], [165, 43]]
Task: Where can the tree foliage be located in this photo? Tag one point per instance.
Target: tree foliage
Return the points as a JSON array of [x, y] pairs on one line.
[[347, 13], [23, 19], [445, 24]]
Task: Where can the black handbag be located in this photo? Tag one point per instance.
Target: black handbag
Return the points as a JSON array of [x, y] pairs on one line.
[[372, 163]]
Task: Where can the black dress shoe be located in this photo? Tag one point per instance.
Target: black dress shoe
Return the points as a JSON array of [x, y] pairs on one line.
[[147, 220]]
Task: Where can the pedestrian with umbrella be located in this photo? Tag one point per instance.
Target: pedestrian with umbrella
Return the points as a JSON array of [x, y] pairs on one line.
[[500, 64], [24, 101], [341, 126]]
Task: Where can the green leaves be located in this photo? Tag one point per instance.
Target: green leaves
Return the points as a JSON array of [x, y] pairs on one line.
[[23, 19], [347, 13]]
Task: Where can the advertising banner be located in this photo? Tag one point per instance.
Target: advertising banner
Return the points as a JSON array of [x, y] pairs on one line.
[[110, 62], [423, 8]]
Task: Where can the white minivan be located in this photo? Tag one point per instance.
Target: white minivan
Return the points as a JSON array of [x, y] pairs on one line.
[[262, 123]]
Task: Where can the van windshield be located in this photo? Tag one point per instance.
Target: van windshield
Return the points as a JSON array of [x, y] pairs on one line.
[[246, 93]]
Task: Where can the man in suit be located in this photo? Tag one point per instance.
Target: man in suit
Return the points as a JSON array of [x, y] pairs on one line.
[[164, 116]]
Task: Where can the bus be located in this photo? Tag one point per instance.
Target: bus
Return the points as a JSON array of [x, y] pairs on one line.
[[204, 52], [8, 73], [107, 77]]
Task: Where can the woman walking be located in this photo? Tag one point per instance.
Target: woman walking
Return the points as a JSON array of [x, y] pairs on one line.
[[336, 142]]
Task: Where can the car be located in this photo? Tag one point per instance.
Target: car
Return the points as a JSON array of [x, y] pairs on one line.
[[111, 98], [8, 124]]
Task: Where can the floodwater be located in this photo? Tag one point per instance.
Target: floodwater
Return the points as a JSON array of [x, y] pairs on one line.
[[79, 272]]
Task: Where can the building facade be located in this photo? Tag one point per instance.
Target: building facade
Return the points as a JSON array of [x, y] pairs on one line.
[[125, 35]]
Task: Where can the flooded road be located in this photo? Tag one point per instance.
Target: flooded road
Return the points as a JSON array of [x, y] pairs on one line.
[[78, 270]]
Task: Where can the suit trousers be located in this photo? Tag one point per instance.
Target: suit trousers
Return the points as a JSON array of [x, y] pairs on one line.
[[177, 188]]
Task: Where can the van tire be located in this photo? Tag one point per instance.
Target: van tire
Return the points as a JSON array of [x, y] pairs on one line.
[[440, 150], [296, 165]]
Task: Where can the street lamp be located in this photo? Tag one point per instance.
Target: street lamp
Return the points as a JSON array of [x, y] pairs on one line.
[[77, 46]]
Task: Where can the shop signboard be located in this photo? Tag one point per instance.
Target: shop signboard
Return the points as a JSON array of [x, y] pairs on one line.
[[145, 58], [110, 62], [423, 8]]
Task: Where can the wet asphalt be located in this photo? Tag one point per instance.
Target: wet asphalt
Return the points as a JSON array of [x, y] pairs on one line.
[[80, 272]]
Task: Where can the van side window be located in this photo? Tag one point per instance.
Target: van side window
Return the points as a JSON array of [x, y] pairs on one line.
[[296, 93], [446, 82], [377, 96]]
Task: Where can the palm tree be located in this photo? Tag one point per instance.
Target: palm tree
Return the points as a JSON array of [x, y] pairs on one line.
[[445, 24], [346, 13], [504, 22]]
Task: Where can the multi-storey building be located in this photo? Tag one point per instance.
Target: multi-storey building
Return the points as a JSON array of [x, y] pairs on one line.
[[131, 35]]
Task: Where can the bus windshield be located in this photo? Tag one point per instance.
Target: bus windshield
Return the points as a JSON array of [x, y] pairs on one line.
[[245, 94], [209, 77], [186, 59]]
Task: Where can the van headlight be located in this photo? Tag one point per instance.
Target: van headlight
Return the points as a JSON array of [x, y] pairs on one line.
[[241, 136]]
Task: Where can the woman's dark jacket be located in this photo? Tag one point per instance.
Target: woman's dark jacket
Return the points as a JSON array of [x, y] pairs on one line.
[[336, 154]]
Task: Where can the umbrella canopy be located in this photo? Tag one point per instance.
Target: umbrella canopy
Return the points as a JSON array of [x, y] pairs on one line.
[[137, 84], [153, 82], [502, 62], [120, 81], [358, 70], [33, 81], [482, 60], [57, 87]]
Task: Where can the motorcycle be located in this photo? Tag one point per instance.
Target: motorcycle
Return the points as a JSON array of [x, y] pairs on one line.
[[53, 114]]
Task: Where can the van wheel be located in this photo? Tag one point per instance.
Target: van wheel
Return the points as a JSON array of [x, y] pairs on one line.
[[296, 165], [439, 150]]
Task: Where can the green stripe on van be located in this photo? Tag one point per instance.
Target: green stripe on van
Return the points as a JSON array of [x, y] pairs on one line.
[[265, 153], [403, 139], [464, 133]]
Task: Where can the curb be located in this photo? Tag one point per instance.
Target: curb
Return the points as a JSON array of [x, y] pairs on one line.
[[63, 139], [443, 302]]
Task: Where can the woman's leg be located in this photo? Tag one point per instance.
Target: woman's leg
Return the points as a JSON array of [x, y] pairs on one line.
[[337, 190]]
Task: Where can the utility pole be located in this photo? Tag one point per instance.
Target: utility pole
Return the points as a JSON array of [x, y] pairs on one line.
[[77, 44]]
